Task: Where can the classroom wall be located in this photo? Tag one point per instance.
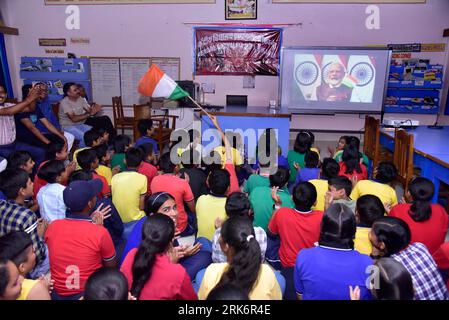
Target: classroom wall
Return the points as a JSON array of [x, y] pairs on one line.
[[166, 30]]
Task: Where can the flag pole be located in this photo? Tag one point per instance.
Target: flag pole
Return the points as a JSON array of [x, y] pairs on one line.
[[196, 103]]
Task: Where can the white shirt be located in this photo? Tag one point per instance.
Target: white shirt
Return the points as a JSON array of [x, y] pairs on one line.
[[7, 127], [51, 202]]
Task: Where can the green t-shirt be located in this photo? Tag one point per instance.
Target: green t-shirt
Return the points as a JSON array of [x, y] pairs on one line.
[[118, 159], [339, 155], [293, 157], [262, 204], [256, 180]]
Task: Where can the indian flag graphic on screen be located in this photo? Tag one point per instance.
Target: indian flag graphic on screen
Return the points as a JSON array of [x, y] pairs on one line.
[[156, 84]]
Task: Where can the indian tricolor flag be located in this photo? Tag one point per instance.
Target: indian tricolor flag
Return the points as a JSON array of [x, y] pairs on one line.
[[156, 84], [349, 81]]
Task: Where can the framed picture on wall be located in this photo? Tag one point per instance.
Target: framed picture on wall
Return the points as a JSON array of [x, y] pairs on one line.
[[240, 9]]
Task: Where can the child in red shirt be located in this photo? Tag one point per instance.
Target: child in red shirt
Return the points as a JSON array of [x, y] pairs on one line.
[[146, 167], [350, 166]]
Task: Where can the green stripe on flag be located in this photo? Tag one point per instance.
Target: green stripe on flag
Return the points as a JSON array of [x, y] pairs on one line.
[[178, 93]]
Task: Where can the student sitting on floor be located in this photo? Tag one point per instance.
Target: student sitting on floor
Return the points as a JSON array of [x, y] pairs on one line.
[[197, 178], [303, 143], [237, 204], [92, 138], [311, 168], [227, 292], [384, 174], [10, 280], [350, 165], [150, 271], [88, 161], [391, 237], [428, 222], [18, 247], [258, 179], [107, 284], [146, 129], [329, 169], [325, 272], [121, 144], [342, 142], [244, 267], [339, 190], [369, 208], [354, 142], [146, 166], [21, 160], [104, 160], [441, 257]]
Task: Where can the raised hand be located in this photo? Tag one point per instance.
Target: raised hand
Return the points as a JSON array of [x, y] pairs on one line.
[[354, 293], [99, 215], [42, 225], [274, 195]]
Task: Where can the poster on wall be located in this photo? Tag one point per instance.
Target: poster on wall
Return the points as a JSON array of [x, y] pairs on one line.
[[240, 9], [78, 2], [349, 1], [237, 51]]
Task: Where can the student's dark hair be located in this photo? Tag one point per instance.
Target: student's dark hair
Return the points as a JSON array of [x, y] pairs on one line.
[[133, 157], [227, 291], [395, 282], [101, 151], [147, 150], [421, 190], [85, 158], [121, 141], [155, 201], [67, 86], [338, 227], [50, 170], [369, 208], [351, 157], [280, 177], [190, 158], [386, 172], [238, 233], [353, 141], [165, 163], [25, 90], [329, 168], [90, 136], [4, 275], [219, 181], [144, 125], [345, 138], [393, 232], [158, 231], [56, 146], [311, 159], [11, 181], [14, 245], [106, 284], [341, 182], [237, 204], [304, 196], [304, 141], [213, 161], [80, 175], [18, 159]]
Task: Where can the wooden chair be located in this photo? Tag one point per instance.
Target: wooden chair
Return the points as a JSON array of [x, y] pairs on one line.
[[371, 145], [141, 111], [120, 121], [163, 129], [403, 156]]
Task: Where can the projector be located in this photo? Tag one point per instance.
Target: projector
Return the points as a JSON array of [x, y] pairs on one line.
[[400, 123]]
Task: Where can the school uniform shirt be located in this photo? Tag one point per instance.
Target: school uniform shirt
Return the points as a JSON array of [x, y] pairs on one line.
[[234, 182], [265, 288], [127, 188], [383, 191], [237, 159], [256, 180], [118, 159], [149, 171], [38, 183], [27, 286], [427, 280], [361, 242], [363, 175], [75, 156], [322, 186], [339, 154], [208, 209], [105, 172], [299, 158], [219, 256], [106, 189], [307, 174], [77, 248], [7, 127], [441, 257], [147, 139], [324, 273], [168, 281], [51, 202], [297, 230], [262, 204], [431, 232], [179, 189], [22, 132]]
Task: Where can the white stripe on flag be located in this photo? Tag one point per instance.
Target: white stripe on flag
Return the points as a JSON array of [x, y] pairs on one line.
[[164, 88]]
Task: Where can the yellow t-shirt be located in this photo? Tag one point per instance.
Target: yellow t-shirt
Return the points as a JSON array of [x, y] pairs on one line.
[[384, 192], [208, 209], [75, 154], [322, 186], [361, 242], [236, 156], [105, 172], [27, 286], [265, 288], [127, 188]]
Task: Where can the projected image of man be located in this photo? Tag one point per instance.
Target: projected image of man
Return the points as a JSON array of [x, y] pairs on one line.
[[334, 88]]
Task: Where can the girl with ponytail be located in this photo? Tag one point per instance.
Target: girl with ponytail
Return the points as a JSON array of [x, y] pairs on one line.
[[303, 144], [428, 222], [148, 269], [244, 268], [350, 165]]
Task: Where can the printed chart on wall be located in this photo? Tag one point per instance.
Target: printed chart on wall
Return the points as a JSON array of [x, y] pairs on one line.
[[131, 71], [105, 76], [171, 66]]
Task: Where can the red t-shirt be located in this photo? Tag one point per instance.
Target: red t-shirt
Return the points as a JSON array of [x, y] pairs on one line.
[[76, 248], [441, 257], [234, 182], [430, 232], [179, 189], [38, 183], [297, 230], [149, 171], [106, 190], [168, 281], [360, 176]]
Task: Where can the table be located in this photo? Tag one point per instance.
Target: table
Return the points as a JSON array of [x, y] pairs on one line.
[[431, 154]]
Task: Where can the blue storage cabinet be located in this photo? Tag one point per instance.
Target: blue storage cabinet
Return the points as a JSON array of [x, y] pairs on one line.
[[55, 72]]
